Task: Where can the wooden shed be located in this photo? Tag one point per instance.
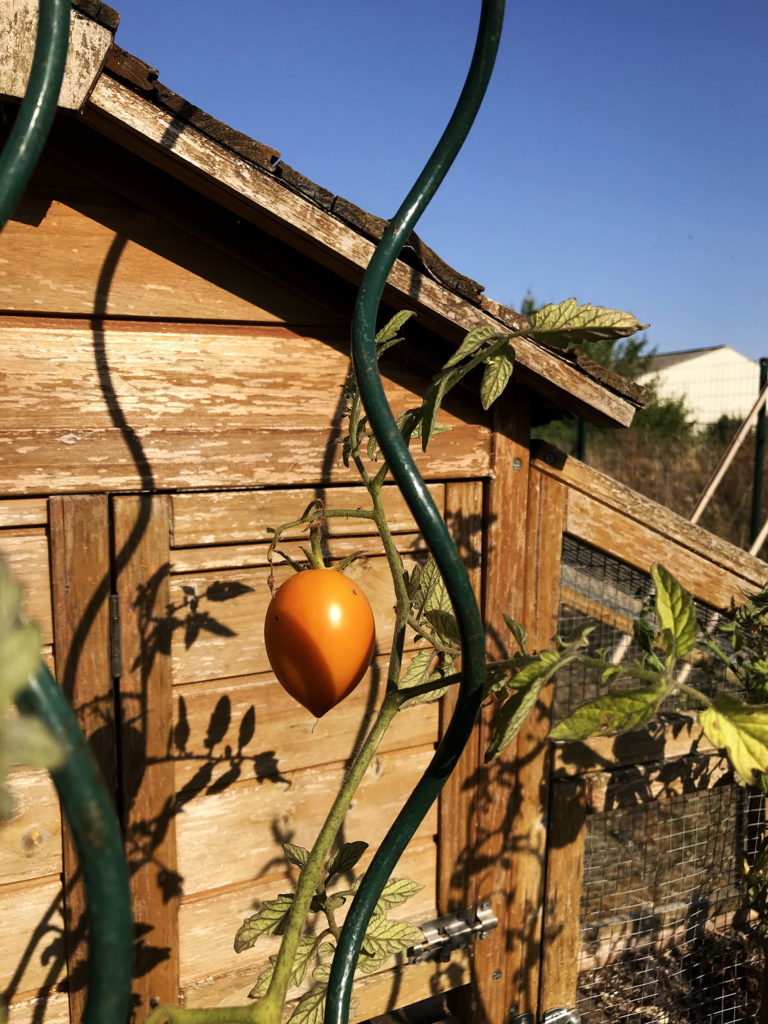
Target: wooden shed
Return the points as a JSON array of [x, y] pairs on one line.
[[176, 306]]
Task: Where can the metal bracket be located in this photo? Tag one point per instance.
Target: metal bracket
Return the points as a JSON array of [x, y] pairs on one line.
[[115, 660], [559, 1015], [453, 931]]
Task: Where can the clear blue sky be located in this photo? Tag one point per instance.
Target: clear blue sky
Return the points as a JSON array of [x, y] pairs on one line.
[[621, 155]]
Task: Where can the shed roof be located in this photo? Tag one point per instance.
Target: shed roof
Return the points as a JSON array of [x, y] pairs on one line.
[[130, 105], [666, 360]]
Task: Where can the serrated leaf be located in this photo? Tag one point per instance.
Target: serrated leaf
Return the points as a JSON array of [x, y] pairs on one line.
[[369, 963], [310, 1009], [568, 324], [444, 624], [345, 858], [497, 374], [325, 951], [518, 631], [387, 937], [269, 919], [259, 990], [432, 589], [516, 709], [396, 892], [296, 854], [418, 669], [433, 398], [322, 972], [472, 342], [676, 613], [616, 711], [742, 730], [391, 327]]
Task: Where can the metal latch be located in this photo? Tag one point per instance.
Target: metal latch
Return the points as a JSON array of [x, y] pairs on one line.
[[115, 660], [453, 931], [559, 1015]]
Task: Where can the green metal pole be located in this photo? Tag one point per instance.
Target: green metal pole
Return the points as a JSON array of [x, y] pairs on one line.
[[759, 465], [38, 108], [424, 511]]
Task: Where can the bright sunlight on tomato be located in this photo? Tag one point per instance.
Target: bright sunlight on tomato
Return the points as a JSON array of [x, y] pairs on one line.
[[319, 635]]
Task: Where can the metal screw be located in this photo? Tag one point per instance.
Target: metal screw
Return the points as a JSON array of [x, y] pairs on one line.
[[496, 974], [516, 464]]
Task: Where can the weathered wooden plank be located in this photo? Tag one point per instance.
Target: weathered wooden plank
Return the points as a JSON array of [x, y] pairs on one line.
[[81, 584], [53, 1008], [625, 787], [30, 841], [141, 531], [93, 254], [26, 551], [207, 924], [561, 939], [642, 510], [88, 45], [509, 559], [159, 406], [270, 736], [31, 957], [230, 641], [457, 802], [238, 517], [252, 821], [242, 187], [640, 545], [243, 556], [23, 512]]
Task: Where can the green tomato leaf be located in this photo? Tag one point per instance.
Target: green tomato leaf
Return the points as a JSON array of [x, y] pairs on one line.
[[444, 624], [616, 711], [676, 612], [417, 671], [566, 324], [521, 701], [369, 963], [472, 342], [519, 632], [396, 892], [742, 730], [322, 972], [388, 333], [345, 858], [432, 590], [384, 937], [296, 854], [310, 1009], [259, 990], [433, 398], [498, 371], [269, 919]]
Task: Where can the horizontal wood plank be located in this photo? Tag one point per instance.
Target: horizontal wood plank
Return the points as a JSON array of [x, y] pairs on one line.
[[237, 517], [640, 545], [23, 512], [30, 841], [252, 821], [52, 1008], [31, 913], [26, 551], [270, 735], [178, 407]]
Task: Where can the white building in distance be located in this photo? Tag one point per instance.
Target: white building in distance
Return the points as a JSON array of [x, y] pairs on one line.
[[714, 382]]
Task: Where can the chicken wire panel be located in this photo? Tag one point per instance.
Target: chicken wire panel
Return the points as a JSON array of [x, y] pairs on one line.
[[601, 591], [665, 934]]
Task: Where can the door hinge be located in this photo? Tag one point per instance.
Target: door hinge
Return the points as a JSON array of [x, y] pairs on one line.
[[559, 1015], [453, 931], [115, 661]]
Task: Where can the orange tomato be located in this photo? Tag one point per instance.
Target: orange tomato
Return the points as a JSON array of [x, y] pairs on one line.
[[319, 635]]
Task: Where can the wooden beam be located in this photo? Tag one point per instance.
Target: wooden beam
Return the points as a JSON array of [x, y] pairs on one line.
[[142, 530], [80, 576]]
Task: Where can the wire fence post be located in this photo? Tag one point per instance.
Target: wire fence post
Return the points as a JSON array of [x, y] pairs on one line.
[[757, 476]]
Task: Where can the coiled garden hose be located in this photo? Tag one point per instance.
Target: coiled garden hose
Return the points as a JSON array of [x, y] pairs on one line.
[[83, 795], [424, 511]]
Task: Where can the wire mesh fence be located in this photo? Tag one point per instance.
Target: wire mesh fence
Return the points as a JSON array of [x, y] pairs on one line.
[[666, 935]]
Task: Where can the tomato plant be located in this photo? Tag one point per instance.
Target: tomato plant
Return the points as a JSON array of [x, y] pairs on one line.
[[319, 634]]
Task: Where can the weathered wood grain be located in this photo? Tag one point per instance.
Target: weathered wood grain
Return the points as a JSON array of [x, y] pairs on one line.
[[251, 821], [151, 406], [31, 958], [239, 517], [457, 802], [23, 512], [141, 532], [30, 842], [53, 1008], [25, 549], [270, 735], [81, 584]]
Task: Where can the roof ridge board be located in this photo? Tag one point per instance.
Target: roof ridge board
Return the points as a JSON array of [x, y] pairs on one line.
[[96, 11]]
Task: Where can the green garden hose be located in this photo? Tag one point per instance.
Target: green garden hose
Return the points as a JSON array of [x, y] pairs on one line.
[[424, 511], [84, 797]]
